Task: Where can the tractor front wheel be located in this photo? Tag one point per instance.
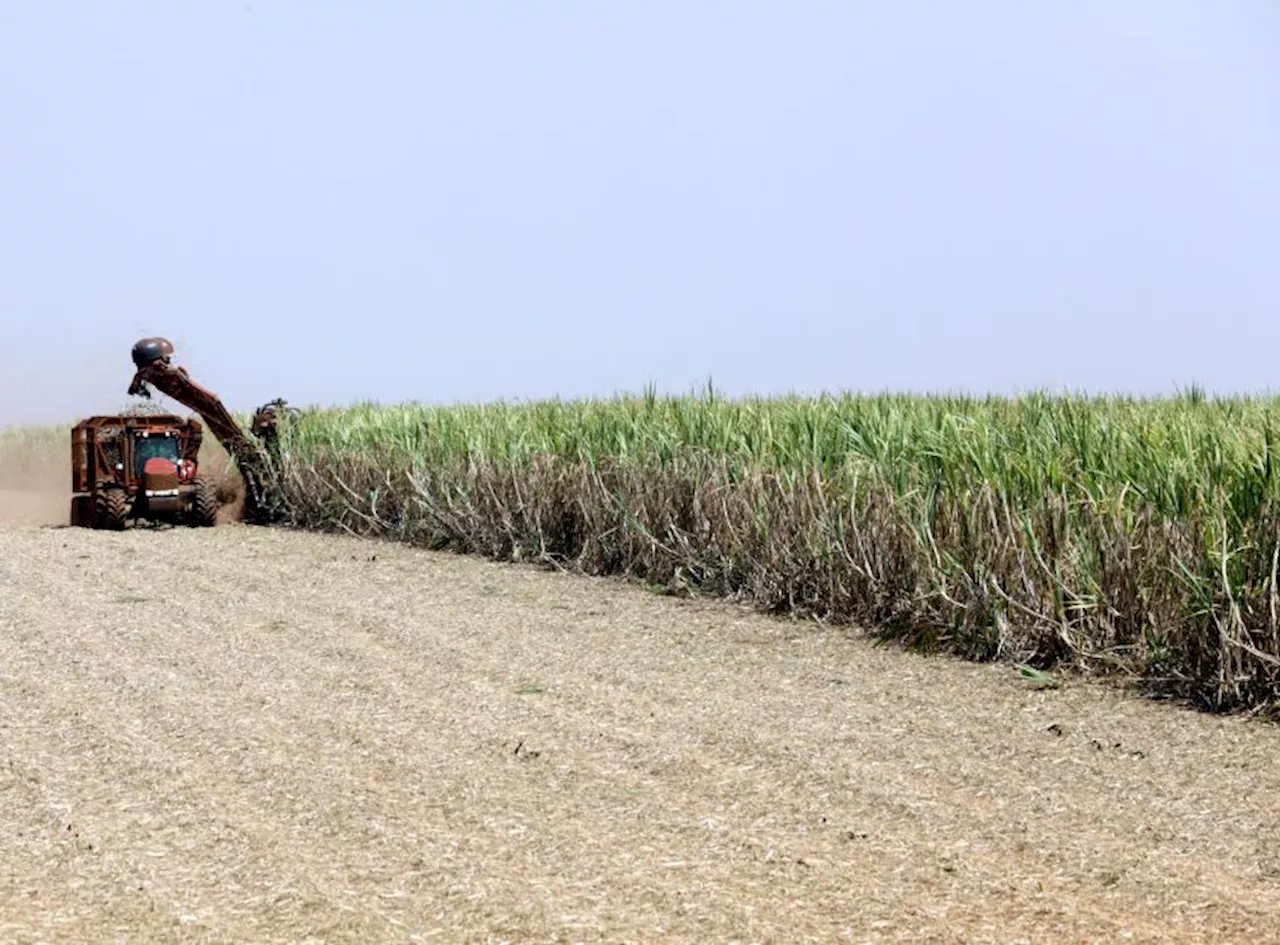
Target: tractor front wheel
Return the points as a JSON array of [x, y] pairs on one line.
[[111, 509], [204, 503]]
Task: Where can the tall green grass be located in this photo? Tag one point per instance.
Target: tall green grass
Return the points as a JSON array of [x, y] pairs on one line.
[[1120, 535]]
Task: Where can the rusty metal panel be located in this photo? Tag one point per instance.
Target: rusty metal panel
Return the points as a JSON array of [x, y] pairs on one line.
[[108, 456], [81, 477]]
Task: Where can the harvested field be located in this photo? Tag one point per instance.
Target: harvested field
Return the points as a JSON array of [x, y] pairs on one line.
[[249, 735]]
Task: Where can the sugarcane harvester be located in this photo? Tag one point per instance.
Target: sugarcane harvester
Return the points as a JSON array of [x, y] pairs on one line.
[[256, 455]]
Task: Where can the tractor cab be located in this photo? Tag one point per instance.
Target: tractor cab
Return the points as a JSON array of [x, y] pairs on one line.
[[162, 445]]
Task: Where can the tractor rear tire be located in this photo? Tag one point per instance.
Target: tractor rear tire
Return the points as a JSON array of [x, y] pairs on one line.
[[111, 509], [204, 503]]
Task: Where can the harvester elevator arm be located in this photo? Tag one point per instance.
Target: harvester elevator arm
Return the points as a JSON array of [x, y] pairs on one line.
[[265, 497], [177, 383]]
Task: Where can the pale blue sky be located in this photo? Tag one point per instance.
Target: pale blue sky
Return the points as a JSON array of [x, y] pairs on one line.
[[465, 201]]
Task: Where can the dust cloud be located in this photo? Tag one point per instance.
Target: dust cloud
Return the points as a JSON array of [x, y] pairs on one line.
[[25, 507], [230, 498], [35, 486]]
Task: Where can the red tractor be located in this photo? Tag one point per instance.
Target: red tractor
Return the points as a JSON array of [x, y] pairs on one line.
[[139, 467], [146, 466]]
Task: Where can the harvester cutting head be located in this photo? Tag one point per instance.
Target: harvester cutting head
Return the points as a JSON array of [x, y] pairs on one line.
[[149, 350]]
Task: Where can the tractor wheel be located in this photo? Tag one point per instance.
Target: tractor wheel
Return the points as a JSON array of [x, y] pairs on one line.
[[111, 509], [204, 503]]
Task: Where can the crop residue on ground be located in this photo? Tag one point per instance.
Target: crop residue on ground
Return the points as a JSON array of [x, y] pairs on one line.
[[247, 734]]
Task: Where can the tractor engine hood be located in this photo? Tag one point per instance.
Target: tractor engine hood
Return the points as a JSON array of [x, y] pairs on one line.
[[161, 485]]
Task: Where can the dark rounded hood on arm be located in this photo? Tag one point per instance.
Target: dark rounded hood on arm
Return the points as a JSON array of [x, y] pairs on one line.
[[149, 350]]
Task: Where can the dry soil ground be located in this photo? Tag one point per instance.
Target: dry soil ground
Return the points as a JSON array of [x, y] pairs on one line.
[[240, 735]]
